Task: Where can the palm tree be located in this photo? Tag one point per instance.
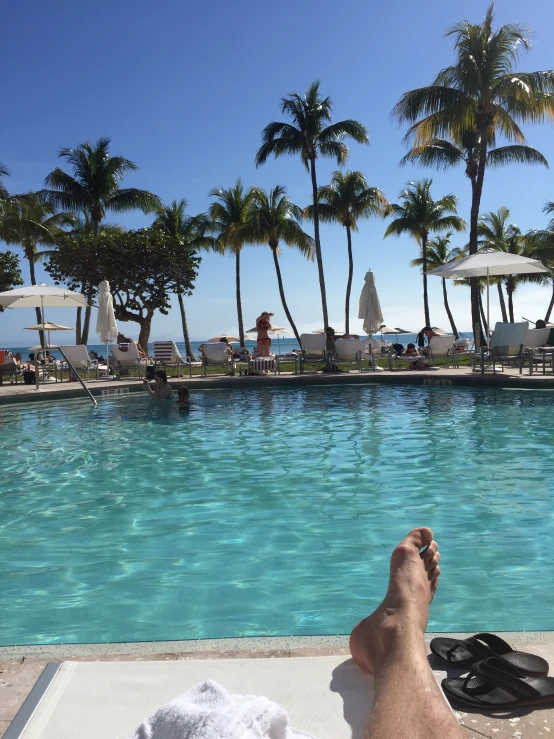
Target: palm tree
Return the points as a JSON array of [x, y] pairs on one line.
[[276, 219], [4, 172], [541, 246], [232, 226], [495, 232], [419, 215], [310, 137], [94, 188], [29, 222], [188, 231], [345, 200], [480, 98], [439, 253]]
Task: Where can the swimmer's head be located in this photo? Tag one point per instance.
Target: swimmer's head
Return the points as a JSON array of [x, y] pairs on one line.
[[161, 376], [183, 392]]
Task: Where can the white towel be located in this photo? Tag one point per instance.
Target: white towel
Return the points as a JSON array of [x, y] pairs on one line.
[[208, 711]]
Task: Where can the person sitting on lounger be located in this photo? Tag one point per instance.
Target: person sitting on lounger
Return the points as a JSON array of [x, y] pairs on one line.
[[162, 390]]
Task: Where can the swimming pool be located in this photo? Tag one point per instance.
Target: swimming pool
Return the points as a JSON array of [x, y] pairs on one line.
[[271, 511]]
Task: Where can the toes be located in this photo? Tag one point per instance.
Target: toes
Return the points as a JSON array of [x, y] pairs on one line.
[[428, 554], [433, 564], [419, 538]]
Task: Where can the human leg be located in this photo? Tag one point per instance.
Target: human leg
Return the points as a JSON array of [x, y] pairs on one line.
[[390, 644]]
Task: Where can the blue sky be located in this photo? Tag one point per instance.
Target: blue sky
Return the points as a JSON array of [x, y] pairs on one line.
[[185, 88]]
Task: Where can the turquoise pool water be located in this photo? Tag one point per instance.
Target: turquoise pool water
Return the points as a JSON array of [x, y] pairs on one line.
[[267, 512]]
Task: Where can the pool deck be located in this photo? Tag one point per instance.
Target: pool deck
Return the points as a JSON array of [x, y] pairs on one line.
[[461, 377], [21, 666]]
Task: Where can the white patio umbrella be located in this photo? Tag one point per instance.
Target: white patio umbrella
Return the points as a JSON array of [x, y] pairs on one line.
[[229, 338], [489, 263], [48, 326], [369, 309], [41, 296], [106, 325]]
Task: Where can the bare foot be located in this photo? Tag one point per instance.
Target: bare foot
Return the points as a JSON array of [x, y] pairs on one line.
[[404, 611]]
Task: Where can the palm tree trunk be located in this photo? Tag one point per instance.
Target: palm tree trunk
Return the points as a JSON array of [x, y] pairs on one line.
[[349, 283], [188, 348], [551, 305], [78, 333], [476, 191], [319, 258], [482, 317], [502, 302], [510, 292], [88, 311], [282, 294], [448, 311], [29, 253], [425, 296], [239, 302]]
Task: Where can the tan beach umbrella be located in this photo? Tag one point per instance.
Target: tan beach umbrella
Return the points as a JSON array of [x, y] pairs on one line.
[[48, 326], [224, 336], [441, 331], [40, 348], [336, 330], [272, 330]]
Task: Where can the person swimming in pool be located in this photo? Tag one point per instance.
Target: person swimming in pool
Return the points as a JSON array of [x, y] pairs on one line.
[[183, 397], [162, 390]]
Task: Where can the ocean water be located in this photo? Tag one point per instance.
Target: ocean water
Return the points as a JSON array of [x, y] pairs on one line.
[[271, 511]]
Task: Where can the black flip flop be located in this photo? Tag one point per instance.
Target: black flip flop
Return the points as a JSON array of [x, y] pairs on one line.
[[466, 652], [495, 685]]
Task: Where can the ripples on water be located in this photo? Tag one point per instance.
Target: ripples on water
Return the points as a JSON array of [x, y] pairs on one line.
[[271, 511]]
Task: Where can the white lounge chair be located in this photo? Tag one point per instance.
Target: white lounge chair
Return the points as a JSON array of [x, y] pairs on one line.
[[8, 366], [166, 354], [80, 359], [506, 347], [349, 351], [216, 355], [540, 337], [442, 347], [127, 357], [313, 348]]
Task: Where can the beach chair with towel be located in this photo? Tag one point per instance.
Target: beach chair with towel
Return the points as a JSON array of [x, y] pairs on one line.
[[127, 358], [166, 354], [80, 359], [507, 347], [8, 366], [313, 348], [216, 355]]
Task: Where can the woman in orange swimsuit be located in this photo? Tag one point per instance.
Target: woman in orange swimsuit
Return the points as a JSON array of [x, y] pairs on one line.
[[263, 324]]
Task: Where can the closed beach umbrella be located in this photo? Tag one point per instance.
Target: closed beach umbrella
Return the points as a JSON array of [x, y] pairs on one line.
[[489, 263], [370, 308], [106, 325], [41, 296]]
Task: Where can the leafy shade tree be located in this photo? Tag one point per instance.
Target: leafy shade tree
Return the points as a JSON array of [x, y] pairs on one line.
[[83, 225], [231, 223], [439, 253], [10, 273], [275, 219], [29, 222], [476, 100], [495, 232], [144, 268], [347, 199], [310, 137], [419, 215], [189, 232], [94, 188]]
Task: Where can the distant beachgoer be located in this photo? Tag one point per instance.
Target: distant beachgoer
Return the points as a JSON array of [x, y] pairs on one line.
[[263, 325], [411, 349], [425, 333], [122, 340], [97, 357], [162, 390], [540, 323], [225, 340], [183, 397]]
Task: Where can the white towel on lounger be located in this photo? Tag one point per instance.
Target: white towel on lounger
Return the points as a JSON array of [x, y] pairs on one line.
[[208, 711]]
